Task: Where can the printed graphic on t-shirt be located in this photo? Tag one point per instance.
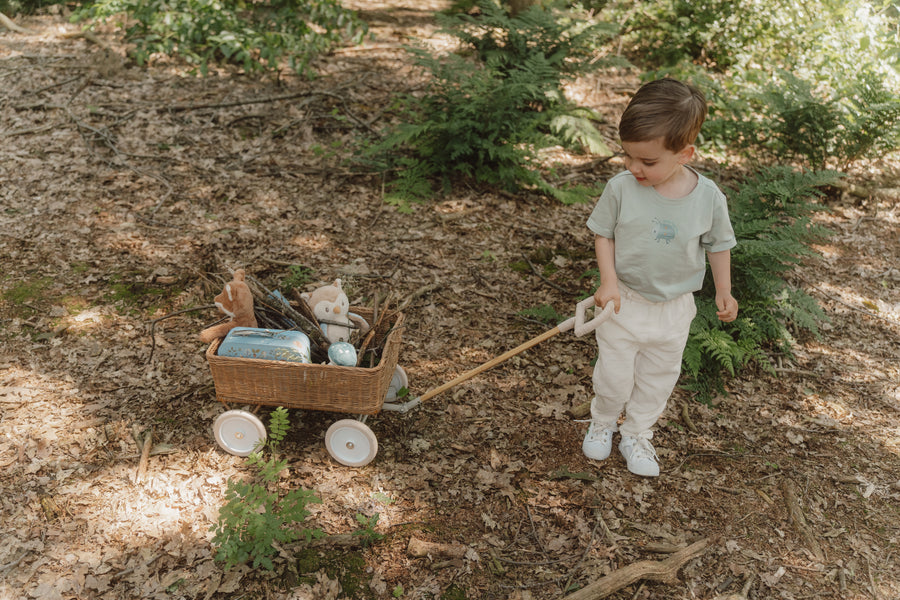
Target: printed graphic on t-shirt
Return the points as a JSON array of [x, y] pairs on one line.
[[664, 231]]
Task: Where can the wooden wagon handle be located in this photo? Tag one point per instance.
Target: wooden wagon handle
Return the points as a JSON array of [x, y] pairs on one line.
[[577, 323]]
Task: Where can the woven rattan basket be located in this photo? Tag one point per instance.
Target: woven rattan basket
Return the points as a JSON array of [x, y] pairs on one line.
[[358, 390]]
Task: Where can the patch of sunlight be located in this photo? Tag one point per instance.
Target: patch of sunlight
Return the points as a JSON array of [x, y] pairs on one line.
[[313, 241], [92, 315]]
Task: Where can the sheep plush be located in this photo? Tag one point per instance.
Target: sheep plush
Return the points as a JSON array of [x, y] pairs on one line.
[[331, 307]]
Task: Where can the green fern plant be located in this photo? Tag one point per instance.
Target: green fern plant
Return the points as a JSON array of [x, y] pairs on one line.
[[256, 516], [770, 213], [487, 111], [257, 36]]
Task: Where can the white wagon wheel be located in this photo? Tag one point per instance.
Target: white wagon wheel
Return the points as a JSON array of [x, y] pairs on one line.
[[351, 443], [239, 432], [399, 380]]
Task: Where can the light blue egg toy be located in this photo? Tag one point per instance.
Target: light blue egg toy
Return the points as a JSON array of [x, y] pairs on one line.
[[342, 353]]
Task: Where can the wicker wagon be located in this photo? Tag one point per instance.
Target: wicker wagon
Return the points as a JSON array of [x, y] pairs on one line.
[[357, 390]]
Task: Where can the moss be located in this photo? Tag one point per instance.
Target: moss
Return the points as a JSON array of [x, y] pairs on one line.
[[454, 592], [127, 291], [27, 291], [21, 296], [348, 567], [520, 266]]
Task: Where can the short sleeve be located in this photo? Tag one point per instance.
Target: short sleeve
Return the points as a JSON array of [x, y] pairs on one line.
[[720, 236], [606, 212]]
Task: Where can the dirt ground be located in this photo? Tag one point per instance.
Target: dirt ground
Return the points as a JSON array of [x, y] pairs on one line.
[[127, 191]]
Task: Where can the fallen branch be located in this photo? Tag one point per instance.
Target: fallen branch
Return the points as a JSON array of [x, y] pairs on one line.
[[147, 444], [155, 321], [664, 571], [792, 500], [420, 548], [87, 35], [9, 24], [686, 417], [425, 289], [234, 103]]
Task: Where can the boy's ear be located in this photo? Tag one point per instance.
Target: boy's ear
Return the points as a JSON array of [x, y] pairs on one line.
[[686, 154]]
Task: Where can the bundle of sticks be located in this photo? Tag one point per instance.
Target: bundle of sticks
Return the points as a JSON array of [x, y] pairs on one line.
[[274, 311]]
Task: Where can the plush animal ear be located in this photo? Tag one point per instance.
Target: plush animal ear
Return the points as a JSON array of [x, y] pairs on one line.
[[239, 275], [305, 296], [337, 284]]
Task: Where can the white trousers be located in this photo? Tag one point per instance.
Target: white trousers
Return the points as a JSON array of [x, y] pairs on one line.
[[639, 360]]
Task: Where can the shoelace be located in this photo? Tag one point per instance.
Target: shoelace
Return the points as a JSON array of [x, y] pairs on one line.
[[598, 433], [643, 449]]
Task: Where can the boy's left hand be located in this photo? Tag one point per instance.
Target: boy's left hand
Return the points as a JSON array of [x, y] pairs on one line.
[[728, 307]]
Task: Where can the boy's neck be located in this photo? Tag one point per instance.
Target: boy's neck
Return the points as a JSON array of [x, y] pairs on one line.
[[680, 184]]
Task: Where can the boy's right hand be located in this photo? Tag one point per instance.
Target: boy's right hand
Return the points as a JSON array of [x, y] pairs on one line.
[[606, 293]]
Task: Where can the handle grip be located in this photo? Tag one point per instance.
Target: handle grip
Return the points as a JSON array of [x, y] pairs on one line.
[[578, 323]]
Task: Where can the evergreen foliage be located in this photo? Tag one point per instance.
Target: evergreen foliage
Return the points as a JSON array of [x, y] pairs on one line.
[[256, 516], [257, 36], [484, 116], [770, 213]]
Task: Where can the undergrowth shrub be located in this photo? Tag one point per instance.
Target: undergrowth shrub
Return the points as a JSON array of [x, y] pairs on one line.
[[257, 516], [788, 118], [257, 36], [770, 213], [813, 82], [13, 7], [488, 110]]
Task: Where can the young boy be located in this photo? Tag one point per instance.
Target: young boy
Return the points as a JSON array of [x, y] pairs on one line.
[[652, 225]]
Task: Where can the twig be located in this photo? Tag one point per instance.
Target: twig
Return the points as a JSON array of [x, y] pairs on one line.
[[155, 321], [145, 457], [534, 532], [312, 330], [555, 286], [665, 571], [792, 501], [232, 104], [377, 318], [54, 85], [587, 548], [686, 417], [13, 564], [420, 548], [425, 289], [29, 130]]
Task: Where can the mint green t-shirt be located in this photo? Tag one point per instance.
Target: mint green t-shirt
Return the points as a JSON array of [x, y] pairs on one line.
[[661, 243]]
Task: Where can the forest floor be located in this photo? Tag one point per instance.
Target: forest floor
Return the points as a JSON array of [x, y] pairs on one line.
[[128, 192]]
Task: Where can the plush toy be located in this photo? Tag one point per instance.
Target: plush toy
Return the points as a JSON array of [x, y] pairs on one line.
[[332, 308], [236, 302]]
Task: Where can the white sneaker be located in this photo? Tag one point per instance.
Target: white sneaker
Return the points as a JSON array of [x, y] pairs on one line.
[[597, 442], [639, 456]]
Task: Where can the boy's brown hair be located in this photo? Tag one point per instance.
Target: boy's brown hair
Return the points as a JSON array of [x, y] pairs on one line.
[[667, 109]]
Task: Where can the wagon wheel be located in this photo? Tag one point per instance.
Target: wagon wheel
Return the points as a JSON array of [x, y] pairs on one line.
[[351, 443], [239, 432], [398, 381]]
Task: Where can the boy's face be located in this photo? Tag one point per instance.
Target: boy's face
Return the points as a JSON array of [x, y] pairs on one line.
[[652, 164]]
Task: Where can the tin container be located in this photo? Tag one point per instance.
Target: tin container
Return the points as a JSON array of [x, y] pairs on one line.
[[266, 344]]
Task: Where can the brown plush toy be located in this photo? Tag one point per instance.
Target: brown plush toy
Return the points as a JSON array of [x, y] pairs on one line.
[[235, 301]]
